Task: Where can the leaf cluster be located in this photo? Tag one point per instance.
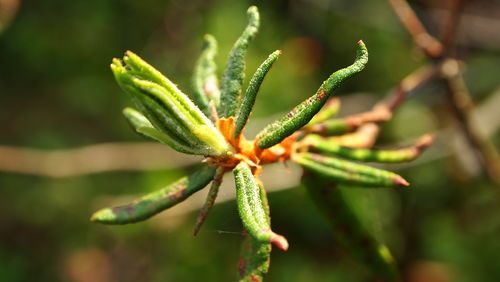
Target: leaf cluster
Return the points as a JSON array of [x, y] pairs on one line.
[[210, 122]]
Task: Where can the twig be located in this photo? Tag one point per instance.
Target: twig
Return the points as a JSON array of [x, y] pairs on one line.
[[409, 84], [90, 159], [451, 26], [462, 106], [8, 9], [457, 93], [426, 42], [146, 156]]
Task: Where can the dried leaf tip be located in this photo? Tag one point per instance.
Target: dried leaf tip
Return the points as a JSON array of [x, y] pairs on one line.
[[400, 181], [280, 242], [424, 142]]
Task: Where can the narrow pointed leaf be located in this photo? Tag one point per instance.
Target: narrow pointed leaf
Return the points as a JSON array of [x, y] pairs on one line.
[[380, 113], [248, 99], [330, 109], [332, 127], [348, 229], [157, 201], [142, 126], [405, 154], [348, 172], [304, 112], [205, 84], [251, 208], [210, 200], [234, 73]]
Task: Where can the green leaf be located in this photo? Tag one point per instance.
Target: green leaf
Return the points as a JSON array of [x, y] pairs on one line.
[[163, 120], [348, 172], [167, 108], [142, 126], [330, 109], [348, 230], [331, 127], [248, 100], [251, 208], [304, 112], [254, 260], [206, 88], [167, 123], [234, 73], [157, 201], [255, 256], [405, 154]]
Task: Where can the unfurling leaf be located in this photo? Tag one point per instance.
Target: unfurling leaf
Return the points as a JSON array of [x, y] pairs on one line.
[[168, 109]]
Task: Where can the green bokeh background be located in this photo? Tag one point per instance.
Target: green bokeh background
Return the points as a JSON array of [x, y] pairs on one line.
[[57, 92]]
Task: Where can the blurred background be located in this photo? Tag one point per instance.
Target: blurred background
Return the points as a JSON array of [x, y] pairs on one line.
[[66, 150]]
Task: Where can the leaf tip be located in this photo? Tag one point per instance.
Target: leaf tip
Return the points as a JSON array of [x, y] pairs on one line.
[[279, 241], [253, 16], [252, 9], [425, 141], [400, 181], [103, 216]]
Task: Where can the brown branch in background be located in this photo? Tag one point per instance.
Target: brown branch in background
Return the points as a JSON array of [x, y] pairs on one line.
[[450, 28], [381, 112], [90, 159], [462, 107], [367, 133], [426, 42], [149, 156], [8, 9], [457, 94], [409, 84]]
